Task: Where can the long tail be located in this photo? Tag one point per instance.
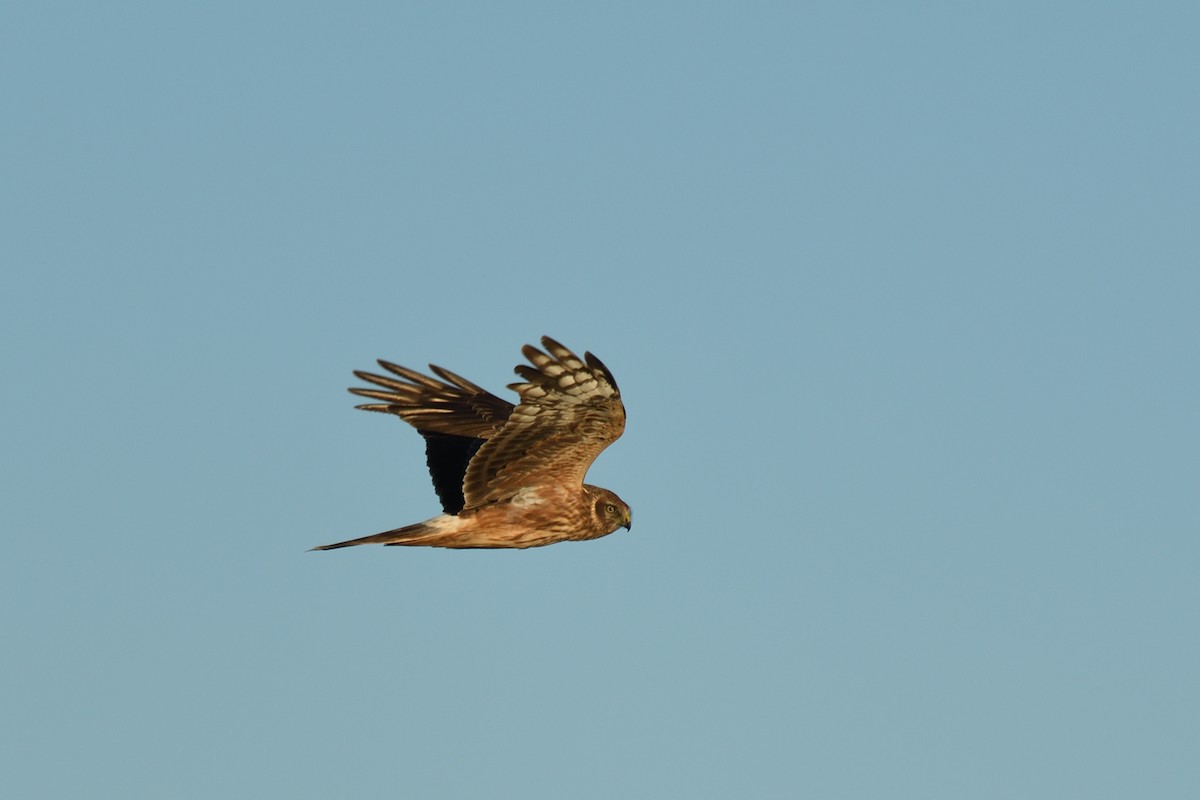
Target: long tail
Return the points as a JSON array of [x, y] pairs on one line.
[[410, 534]]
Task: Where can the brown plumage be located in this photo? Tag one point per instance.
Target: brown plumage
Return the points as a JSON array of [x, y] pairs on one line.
[[508, 476]]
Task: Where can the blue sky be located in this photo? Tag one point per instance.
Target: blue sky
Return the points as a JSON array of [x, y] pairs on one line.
[[901, 299]]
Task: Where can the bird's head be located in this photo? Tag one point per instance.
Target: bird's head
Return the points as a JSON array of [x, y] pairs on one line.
[[611, 511]]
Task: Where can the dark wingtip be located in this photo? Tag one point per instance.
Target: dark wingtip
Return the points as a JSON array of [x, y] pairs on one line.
[[597, 364], [529, 351]]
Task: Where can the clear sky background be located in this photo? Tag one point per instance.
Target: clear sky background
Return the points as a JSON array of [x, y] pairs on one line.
[[902, 299]]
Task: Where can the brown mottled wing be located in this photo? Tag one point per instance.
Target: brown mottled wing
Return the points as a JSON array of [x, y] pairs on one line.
[[570, 410], [453, 415], [453, 405]]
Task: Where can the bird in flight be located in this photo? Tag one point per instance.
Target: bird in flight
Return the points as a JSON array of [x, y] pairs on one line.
[[508, 476]]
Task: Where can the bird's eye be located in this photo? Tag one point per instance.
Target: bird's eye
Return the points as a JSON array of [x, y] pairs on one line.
[[610, 508]]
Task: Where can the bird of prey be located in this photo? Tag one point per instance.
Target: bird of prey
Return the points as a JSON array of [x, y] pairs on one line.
[[508, 476]]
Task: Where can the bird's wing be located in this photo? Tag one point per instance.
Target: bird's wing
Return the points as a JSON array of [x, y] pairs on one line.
[[570, 410], [453, 415], [452, 405]]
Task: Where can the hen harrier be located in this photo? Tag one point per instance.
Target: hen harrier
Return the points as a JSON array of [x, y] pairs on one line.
[[508, 476]]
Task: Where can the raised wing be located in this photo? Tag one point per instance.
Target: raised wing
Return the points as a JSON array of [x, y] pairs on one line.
[[570, 410], [452, 405], [453, 415]]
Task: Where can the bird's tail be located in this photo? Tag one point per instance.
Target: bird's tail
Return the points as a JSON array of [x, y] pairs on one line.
[[421, 533]]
